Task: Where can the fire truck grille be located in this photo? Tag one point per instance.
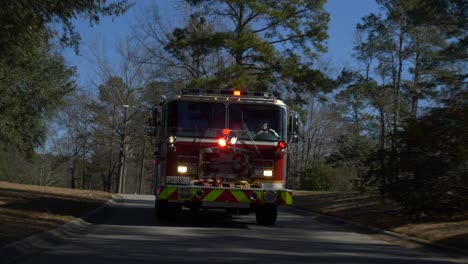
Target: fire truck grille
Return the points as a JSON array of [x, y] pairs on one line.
[[232, 163]]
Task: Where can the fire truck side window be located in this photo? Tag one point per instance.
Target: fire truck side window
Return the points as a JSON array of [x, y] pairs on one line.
[[195, 119], [258, 118]]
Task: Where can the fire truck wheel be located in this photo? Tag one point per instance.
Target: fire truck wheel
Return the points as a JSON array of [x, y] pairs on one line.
[[166, 211], [266, 214]]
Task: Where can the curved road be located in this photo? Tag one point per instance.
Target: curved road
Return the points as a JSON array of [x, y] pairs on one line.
[[129, 234]]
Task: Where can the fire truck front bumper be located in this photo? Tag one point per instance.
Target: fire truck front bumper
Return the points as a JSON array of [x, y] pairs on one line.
[[219, 197]]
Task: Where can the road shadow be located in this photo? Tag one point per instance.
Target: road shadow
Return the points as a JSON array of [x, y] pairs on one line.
[[455, 244], [142, 213]]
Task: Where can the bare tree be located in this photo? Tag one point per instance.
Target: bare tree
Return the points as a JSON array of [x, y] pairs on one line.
[[71, 136], [118, 112], [176, 65]]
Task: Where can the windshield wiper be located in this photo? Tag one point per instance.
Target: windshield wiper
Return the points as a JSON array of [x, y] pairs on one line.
[[244, 126]]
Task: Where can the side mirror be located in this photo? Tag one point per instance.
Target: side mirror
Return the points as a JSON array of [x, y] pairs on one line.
[[294, 138], [293, 127], [152, 122]]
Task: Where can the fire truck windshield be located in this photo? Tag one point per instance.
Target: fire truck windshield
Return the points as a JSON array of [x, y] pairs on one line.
[[208, 119], [195, 119], [263, 122]]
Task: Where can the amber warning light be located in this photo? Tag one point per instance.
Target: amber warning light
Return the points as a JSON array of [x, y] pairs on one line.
[[237, 93]]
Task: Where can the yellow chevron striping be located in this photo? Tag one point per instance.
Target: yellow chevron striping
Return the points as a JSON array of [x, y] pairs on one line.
[[240, 196], [213, 195], [260, 196], [286, 197], [166, 192]]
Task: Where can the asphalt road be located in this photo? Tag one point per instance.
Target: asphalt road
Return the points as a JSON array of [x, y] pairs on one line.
[[130, 234]]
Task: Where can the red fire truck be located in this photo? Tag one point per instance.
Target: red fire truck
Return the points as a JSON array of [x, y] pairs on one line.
[[223, 150]]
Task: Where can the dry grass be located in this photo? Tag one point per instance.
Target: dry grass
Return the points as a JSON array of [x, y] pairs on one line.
[[447, 228], [27, 209]]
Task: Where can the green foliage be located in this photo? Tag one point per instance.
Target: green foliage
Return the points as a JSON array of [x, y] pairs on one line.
[[413, 52], [450, 14], [323, 177], [316, 178], [21, 20], [355, 98], [432, 164], [41, 169], [32, 89], [34, 80], [260, 41], [352, 150], [345, 178]]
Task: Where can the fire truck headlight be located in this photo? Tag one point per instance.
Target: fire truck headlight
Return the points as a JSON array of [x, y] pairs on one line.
[[171, 139], [268, 173], [182, 169]]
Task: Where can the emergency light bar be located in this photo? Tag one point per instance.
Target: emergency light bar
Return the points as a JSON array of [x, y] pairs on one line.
[[236, 93]]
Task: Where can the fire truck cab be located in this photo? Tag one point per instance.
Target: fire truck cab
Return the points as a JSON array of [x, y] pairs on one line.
[[222, 150]]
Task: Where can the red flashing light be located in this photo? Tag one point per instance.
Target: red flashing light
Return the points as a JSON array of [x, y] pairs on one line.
[[282, 144], [237, 93], [226, 131], [222, 142]]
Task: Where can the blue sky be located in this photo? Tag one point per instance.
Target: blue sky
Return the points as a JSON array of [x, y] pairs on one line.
[[345, 14]]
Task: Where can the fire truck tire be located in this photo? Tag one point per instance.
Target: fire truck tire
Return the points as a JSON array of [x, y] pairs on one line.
[[266, 214], [165, 211]]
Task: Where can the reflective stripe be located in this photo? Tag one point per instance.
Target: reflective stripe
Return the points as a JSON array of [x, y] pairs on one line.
[[240, 196], [166, 192], [213, 195], [260, 196], [286, 197], [227, 195]]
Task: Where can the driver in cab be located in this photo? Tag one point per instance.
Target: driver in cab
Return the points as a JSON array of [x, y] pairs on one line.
[[265, 129]]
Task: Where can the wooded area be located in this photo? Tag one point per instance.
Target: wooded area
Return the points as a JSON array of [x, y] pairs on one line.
[[395, 125]]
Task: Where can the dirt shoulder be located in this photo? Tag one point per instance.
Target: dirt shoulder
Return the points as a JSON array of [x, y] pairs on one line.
[[446, 228], [26, 209]]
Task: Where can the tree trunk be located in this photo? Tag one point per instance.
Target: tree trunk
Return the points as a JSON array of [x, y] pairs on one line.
[[416, 89], [142, 166], [72, 177], [121, 169], [383, 176]]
